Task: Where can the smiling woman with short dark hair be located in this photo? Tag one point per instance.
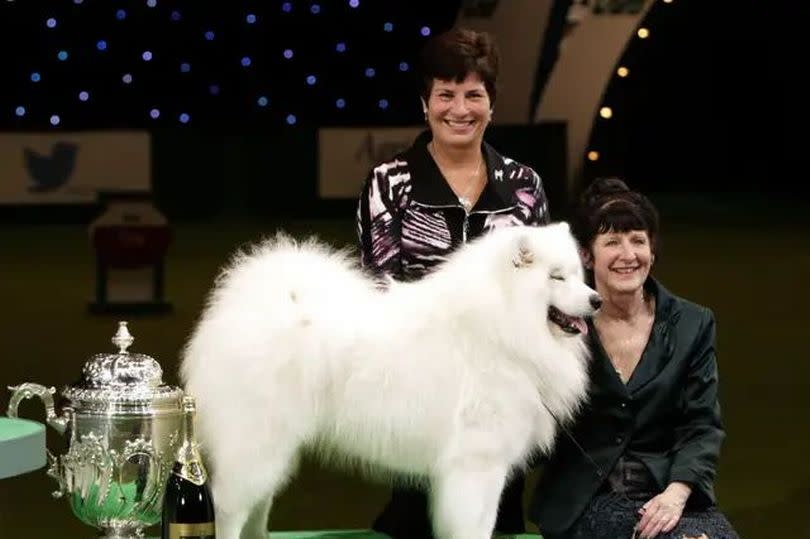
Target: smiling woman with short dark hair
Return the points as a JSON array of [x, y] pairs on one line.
[[449, 187], [642, 455]]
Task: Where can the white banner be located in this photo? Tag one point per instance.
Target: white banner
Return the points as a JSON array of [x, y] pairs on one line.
[[71, 168], [346, 156]]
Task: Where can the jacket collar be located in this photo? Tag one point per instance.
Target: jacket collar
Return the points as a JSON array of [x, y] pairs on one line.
[[429, 186], [658, 350]]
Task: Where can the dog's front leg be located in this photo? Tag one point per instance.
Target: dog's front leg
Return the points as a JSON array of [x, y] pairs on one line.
[[256, 527], [230, 523], [465, 499]]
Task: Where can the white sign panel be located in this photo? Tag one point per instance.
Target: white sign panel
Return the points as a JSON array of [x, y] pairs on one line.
[[346, 156], [71, 168]]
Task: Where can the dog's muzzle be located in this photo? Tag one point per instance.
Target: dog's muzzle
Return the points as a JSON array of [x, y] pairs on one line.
[[572, 325]]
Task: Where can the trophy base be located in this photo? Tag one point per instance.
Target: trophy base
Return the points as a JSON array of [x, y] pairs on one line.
[[121, 533]]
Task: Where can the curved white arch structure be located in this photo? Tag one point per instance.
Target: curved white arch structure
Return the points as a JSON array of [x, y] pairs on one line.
[[588, 60]]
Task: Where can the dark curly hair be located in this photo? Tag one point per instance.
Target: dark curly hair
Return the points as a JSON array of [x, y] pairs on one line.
[[455, 54], [608, 205]]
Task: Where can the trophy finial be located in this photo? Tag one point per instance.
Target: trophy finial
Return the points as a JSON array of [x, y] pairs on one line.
[[122, 339]]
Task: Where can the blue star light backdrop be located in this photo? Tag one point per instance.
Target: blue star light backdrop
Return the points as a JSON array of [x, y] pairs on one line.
[[88, 64]]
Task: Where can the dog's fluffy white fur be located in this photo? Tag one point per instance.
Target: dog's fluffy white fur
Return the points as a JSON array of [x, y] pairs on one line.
[[452, 379]]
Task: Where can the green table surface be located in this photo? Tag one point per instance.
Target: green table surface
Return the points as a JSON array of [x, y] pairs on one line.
[[360, 534], [22, 446]]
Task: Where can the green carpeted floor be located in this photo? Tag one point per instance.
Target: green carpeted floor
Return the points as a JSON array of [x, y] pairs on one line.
[[359, 534], [753, 277]]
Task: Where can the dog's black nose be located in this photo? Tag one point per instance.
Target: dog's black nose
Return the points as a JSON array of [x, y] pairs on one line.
[[596, 301]]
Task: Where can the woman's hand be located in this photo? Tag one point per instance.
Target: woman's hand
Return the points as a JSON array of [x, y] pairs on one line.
[[662, 513]]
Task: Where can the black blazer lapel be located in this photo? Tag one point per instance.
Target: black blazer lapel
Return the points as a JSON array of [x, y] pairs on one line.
[[660, 347], [603, 371], [655, 357]]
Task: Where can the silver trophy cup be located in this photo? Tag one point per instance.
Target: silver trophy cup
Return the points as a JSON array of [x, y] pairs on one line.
[[122, 425]]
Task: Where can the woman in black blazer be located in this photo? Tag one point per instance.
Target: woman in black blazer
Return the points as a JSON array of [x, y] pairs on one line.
[[642, 455]]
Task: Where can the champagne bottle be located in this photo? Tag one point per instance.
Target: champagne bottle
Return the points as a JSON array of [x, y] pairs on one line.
[[188, 508]]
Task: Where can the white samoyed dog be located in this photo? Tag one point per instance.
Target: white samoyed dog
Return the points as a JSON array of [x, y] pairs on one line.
[[454, 380]]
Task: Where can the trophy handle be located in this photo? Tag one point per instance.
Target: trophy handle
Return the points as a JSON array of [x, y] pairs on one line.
[[28, 390], [59, 423]]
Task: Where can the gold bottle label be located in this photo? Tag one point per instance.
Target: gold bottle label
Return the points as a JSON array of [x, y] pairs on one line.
[[197, 530]]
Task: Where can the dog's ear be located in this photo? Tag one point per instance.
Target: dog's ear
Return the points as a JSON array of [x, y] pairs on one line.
[[523, 255], [586, 257]]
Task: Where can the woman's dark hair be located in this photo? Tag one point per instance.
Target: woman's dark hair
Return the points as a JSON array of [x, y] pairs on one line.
[[608, 205], [455, 54]]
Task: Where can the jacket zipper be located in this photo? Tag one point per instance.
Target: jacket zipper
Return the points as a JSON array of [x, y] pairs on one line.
[[466, 224]]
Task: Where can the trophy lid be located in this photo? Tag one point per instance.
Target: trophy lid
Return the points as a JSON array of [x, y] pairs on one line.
[[125, 380]]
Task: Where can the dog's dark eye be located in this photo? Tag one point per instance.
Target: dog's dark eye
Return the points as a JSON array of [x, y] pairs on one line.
[[557, 277]]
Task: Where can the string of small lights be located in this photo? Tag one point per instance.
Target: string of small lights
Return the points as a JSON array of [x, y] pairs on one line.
[[86, 64], [634, 53]]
